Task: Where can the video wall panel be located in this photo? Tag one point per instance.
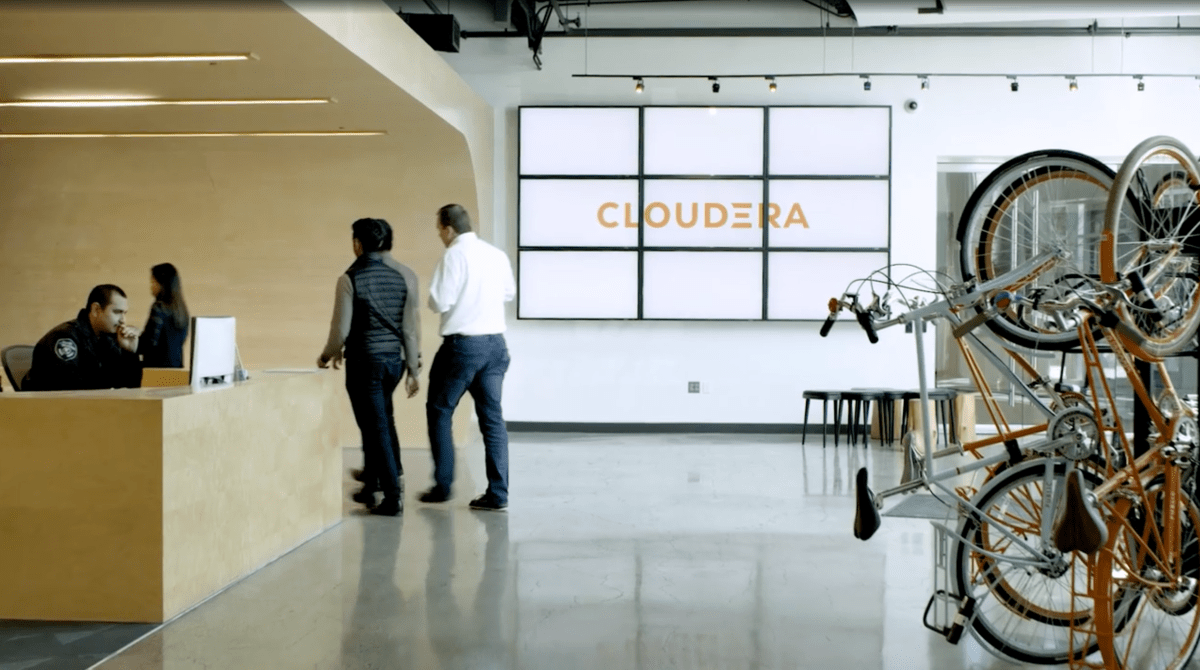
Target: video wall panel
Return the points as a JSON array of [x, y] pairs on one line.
[[726, 213]]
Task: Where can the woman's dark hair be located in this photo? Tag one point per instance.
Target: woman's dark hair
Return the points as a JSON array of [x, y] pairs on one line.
[[170, 293], [373, 234]]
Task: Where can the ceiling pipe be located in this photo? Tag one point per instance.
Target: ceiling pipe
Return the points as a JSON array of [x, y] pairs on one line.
[[890, 31]]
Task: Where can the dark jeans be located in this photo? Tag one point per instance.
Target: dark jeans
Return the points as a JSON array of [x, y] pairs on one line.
[[474, 365], [371, 381]]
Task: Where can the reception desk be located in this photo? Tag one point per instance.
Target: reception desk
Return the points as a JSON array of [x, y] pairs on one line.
[[134, 505]]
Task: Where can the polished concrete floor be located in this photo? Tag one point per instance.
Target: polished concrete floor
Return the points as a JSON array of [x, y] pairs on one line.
[[665, 551]]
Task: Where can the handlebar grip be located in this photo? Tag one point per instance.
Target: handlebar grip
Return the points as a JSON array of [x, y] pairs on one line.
[[864, 320], [828, 323]]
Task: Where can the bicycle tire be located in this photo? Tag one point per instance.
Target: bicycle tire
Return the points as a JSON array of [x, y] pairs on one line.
[[1026, 615], [1153, 624], [1152, 233], [1019, 211]]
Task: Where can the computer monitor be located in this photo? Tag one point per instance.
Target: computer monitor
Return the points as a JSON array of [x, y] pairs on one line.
[[214, 350]]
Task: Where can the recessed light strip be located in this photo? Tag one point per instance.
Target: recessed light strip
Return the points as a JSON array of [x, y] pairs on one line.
[[265, 133], [153, 102], [125, 58]]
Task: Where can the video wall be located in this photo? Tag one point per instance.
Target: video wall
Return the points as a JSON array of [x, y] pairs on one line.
[[725, 213]]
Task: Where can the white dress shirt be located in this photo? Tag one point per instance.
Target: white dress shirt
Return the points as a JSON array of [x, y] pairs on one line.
[[470, 286]]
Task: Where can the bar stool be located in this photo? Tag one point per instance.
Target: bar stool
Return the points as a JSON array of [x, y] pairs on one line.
[[825, 397], [858, 407], [943, 411], [885, 411]]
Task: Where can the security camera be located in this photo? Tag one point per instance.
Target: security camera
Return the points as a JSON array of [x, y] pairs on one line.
[[910, 106]]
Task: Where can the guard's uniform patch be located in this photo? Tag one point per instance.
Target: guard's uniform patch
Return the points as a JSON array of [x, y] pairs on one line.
[[66, 349]]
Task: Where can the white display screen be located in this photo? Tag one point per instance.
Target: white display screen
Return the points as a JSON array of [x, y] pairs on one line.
[[214, 349], [828, 213], [667, 212], [579, 140], [703, 213], [702, 285], [803, 282], [704, 140], [578, 284], [579, 213], [830, 141]]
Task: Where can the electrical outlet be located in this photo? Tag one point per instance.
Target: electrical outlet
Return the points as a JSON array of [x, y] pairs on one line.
[[693, 387]]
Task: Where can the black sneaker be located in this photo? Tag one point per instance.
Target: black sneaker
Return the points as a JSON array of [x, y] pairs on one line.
[[434, 495], [364, 497], [487, 502], [389, 507]]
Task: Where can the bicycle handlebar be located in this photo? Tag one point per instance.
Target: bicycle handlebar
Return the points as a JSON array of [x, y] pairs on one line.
[[864, 320], [835, 306], [825, 328]]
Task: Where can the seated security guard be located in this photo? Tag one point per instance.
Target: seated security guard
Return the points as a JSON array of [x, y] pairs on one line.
[[95, 351]]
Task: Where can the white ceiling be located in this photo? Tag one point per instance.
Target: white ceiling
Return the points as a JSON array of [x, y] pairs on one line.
[[984, 12], [478, 15]]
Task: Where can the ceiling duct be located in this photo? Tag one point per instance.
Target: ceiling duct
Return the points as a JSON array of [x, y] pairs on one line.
[[440, 31]]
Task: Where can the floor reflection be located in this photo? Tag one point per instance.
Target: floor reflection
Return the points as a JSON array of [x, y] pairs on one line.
[[617, 552]]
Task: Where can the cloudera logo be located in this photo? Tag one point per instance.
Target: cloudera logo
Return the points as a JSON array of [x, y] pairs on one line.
[[716, 215]]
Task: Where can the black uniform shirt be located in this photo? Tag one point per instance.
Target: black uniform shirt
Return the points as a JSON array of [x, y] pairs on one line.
[[74, 357]]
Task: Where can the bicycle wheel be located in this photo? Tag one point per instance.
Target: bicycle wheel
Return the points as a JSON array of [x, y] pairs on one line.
[[1154, 619], [1034, 608], [1031, 204], [1149, 225]]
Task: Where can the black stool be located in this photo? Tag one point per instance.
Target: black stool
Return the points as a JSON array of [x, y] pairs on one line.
[[825, 397], [858, 406], [943, 412], [886, 411]]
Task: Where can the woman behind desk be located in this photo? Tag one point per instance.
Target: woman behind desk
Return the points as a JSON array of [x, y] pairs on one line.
[[161, 344]]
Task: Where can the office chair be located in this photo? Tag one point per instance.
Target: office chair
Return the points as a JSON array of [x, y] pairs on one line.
[[17, 360]]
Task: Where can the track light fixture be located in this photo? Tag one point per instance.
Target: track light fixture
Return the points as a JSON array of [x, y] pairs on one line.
[[640, 86]]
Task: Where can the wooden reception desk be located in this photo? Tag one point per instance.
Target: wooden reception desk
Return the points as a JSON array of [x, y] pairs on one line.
[[134, 505]]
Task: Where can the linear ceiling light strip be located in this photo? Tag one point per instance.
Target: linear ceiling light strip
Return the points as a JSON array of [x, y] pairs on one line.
[[154, 102], [271, 133], [125, 58]]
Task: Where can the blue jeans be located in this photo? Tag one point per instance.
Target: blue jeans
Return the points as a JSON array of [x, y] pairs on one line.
[[474, 365], [370, 382]]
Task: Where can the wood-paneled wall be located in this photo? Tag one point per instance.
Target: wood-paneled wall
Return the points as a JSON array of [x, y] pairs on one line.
[[258, 228]]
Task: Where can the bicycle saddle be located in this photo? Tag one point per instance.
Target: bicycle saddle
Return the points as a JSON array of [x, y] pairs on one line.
[[866, 515], [1078, 526]]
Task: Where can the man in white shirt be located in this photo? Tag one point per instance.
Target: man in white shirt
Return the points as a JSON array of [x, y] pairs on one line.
[[470, 286]]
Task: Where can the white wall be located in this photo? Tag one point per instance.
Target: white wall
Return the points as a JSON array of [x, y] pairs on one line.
[[637, 371]]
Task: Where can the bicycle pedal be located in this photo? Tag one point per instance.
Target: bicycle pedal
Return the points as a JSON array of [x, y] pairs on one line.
[[914, 453], [866, 513], [961, 620]]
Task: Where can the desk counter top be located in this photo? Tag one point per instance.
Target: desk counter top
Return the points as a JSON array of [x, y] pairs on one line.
[[257, 377]]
